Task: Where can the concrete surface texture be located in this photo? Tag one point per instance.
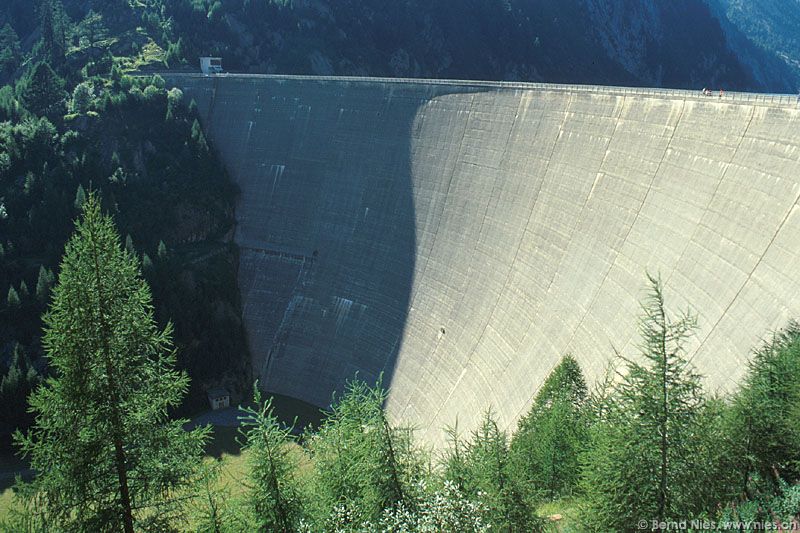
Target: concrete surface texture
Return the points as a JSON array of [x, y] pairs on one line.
[[462, 237]]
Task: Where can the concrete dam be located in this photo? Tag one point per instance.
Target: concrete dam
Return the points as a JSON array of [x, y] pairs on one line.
[[461, 237]]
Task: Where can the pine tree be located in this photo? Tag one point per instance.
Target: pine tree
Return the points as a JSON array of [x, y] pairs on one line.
[[362, 465], [107, 455], [549, 439], [82, 97], [274, 493], [91, 30], [481, 468], [162, 250], [648, 448], [53, 20], [43, 93], [20, 379], [13, 297], [80, 197], [24, 293], [129, 245], [198, 136], [10, 50], [764, 410], [43, 284]]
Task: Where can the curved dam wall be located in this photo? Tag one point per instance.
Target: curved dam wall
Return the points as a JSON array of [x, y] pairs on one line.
[[461, 237]]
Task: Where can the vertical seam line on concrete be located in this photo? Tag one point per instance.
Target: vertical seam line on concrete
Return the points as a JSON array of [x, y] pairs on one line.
[[635, 219], [583, 207], [213, 102], [699, 224], [519, 243], [789, 211]]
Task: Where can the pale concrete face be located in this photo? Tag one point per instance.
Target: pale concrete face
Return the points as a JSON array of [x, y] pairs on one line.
[[463, 237]]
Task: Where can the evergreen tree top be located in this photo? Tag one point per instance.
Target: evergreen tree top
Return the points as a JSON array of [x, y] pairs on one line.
[[107, 454]]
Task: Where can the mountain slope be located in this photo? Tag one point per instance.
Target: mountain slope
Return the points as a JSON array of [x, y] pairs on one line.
[[675, 44], [682, 43], [765, 34]]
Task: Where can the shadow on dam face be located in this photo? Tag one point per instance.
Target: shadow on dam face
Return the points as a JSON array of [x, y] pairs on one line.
[[325, 224], [462, 237]]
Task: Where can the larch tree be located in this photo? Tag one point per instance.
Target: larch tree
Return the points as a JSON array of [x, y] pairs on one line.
[[273, 500], [767, 409], [480, 467], [107, 455], [362, 465], [546, 446], [649, 450]]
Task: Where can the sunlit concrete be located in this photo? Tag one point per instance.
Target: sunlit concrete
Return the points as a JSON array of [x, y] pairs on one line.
[[461, 237]]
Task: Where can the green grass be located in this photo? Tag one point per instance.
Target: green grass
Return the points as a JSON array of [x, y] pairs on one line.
[[6, 500], [562, 515]]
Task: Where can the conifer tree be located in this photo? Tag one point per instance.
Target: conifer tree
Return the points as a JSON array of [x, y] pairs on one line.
[[13, 297], [647, 450], [162, 250], [198, 136], [362, 464], [129, 244], [483, 471], [765, 407], [82, 97], [107, 455], [43, 283], [80, 197], [53, 21], [24, 293], [20, 379], [10, 50], [273, 495], [43, 94], [91, 30], [545, 448]]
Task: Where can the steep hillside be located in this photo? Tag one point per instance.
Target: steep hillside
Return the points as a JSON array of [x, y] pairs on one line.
[[674, 44], [765, 34], [72, 121], [681, 43]]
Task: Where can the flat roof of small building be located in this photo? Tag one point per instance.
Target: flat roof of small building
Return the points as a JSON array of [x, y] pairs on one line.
[[218, 392]]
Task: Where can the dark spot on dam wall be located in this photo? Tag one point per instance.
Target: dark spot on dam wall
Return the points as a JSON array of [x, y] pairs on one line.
[[461, 237]]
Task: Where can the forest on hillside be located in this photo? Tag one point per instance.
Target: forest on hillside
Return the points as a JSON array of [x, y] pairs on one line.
[[684, 43], [72, 120]]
